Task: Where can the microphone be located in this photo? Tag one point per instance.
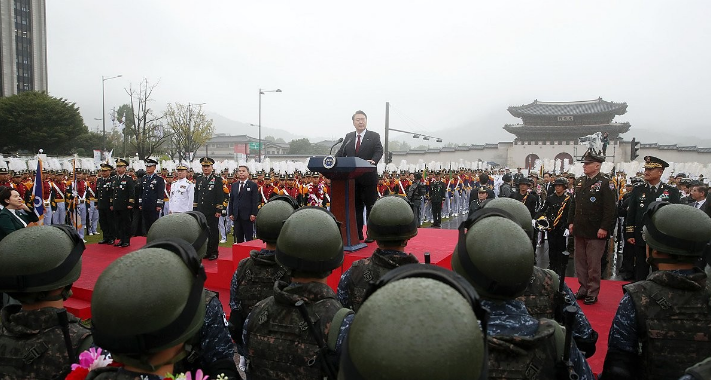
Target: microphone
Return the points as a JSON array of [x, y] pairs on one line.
[[334, 145]]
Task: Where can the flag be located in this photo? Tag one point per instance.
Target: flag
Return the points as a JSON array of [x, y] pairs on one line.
[[37, 193], [74, 205]]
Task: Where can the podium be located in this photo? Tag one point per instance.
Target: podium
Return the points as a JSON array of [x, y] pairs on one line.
[[342, 172]]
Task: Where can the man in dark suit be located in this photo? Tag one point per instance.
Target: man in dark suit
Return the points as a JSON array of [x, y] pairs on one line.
[[698, 193], [244, 202], [366, 145]]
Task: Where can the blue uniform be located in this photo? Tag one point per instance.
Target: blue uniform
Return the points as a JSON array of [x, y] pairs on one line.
[[510, 318], [152, 192]]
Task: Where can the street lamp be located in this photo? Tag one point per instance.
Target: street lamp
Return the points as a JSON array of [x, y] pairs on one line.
[[259, 150], [103, 108]]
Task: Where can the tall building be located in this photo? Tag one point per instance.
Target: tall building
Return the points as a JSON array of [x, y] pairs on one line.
[[23, 46]]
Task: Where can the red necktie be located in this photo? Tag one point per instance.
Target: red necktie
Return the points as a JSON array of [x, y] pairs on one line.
[[358, 144]]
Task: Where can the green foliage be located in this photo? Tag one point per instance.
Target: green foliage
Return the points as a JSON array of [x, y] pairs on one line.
[[304, 146], [34, 120]]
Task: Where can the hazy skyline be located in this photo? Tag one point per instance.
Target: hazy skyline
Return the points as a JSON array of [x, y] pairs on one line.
[[443, 65]]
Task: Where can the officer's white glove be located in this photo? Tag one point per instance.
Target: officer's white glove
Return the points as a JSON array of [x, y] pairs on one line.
[[533, 223], [566, 233]]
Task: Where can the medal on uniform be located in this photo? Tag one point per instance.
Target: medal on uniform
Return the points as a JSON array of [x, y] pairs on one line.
[[593, 199]]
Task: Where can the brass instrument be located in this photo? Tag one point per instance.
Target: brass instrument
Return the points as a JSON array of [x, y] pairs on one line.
[[543, 224]]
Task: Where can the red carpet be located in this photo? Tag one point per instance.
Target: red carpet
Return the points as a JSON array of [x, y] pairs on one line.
[[439, 243]]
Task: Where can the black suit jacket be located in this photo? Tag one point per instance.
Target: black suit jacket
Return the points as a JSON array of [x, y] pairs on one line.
[[244, 203], [370, 149], [706, 207]]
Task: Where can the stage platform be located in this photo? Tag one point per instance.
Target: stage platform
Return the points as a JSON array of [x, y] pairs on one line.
[[438, 242]]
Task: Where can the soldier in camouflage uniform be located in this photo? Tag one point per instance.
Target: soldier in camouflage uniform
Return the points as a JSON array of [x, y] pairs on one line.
[[286, 335], [642, 195], [255, 276], [520, 346], [700, 371], [214, 351], [33, 334], [542, 295], [411, 308], [662, 324], [146, 350], [392, 223]]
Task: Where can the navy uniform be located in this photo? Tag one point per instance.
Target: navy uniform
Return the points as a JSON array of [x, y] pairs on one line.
[[437, 196], [151, 193], [209, 199], [511, 328], [104, 194], [641, 197], [122, 202]]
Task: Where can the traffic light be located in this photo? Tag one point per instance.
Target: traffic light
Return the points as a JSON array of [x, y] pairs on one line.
[[634, 149]]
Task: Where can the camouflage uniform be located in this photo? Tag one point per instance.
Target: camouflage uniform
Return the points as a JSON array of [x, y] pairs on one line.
[[356, 280], [700, 371], [215, 354], [673, 312], [539, 298], [32, 343], [512, 331], [252, 282], [275, 330]]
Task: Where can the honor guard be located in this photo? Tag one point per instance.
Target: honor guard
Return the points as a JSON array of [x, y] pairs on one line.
[[57, 199], [642, 195], [182, 192], [104, 194], [209, 199], [168, 178], [122, 202], [151, 194], [437, 197], [92, 210]]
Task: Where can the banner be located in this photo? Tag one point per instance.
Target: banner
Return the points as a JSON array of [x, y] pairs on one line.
[[37, 193]]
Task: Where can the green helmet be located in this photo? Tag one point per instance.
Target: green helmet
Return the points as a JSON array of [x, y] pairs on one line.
[[495, 256], [190, 226], [39, 259], [271, 217], [420, 316], [149, 300], [391, 219], [676, 229], [310, 241], [518, 211]]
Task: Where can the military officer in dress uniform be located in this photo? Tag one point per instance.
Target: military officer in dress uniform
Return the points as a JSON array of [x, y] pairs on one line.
[[592, 218], [642, 195], [182, 192], [151, 192], [104, 194], [437, 196], [122, 202], [209, 199]]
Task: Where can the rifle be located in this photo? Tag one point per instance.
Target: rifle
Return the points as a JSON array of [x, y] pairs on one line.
[[331, 372], [560, 300], [565, 366]]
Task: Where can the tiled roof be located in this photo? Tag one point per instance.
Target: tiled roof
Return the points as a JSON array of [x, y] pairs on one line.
[[586, 107]]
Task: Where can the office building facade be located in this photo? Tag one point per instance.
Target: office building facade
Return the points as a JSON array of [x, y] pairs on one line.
[[23, 46]]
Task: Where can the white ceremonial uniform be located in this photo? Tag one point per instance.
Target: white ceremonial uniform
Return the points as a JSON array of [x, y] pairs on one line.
[[181, 196]]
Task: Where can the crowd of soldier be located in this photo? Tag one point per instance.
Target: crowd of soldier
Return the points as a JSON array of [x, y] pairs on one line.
[[496, 314]]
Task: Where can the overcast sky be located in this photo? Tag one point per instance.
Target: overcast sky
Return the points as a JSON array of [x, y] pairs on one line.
[[441, 64]]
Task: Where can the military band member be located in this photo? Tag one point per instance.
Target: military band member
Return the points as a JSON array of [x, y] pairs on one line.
[[642, 195], [76, 195], [555, 210], [122, 202], [104, 193], [166, 194], [182, 192], [57, 199], [151, 194], [92, 213], [209, 199]]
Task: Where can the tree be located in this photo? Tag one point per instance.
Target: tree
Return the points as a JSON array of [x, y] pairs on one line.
[[189, 129], [399, 146], [123, 116], [148, 135], [300, 146], [34, 120]]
